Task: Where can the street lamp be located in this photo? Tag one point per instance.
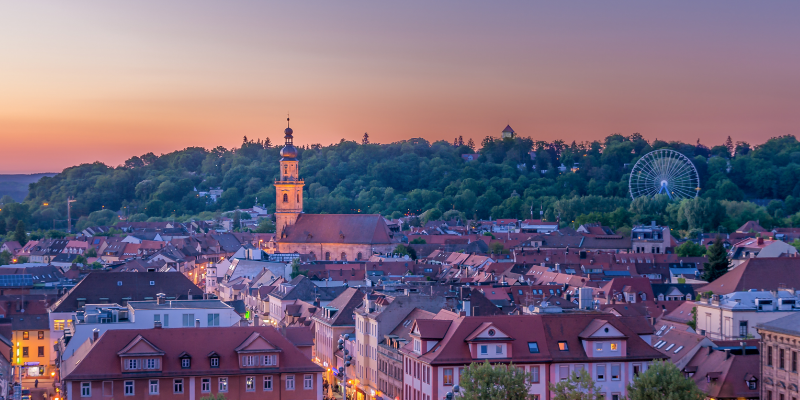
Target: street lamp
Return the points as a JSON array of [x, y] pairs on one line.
[[450, 395], [347, 359]]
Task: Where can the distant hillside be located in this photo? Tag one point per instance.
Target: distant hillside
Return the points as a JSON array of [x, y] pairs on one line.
[[16, 186]]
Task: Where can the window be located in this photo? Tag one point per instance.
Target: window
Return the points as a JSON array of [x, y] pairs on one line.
[[290, 382], [58, 325], [129, 388], [498, 349], [156, 317], [166, 321], [40, 351], [484, 349], [205, 385], [308, 382], [150, 363], [250, 383], [153, 386], [40, 335], [214, 362], [742, 329], [86, 389], [248, 361], [598, 346], [213, 319], [614, 347], [794, 361], [327, 256], [780, 359], [562, 346], [614, 396], [186, 362], [636, 369], [678, 349], [26, 335], [177, 386], [268, 383], [533, 347], [615, 372], [270, 360], [563, 372], [188, 320], [535, 374], [448, 377], [285, 195], [223, 384], [769, 358], [24, 351], [601, 372], [751, 385], [132, 364]]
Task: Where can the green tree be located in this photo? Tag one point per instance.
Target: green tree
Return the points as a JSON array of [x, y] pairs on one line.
[[418, 240], [403, 250], [5, 258], [579, 386], [663, 381], [211, 396], [296, 271], [80, 259], [92, 252], [20, 235], [3, 229], [265, 225], [693, 322], [493, 382], [690, 249], [718, 262], [796, 244], [496, 247]]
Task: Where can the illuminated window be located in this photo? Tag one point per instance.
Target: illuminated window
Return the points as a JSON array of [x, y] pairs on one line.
[[563, 346], [613, 347], [448, 377], [26, 335], [223, 384], [58, 325], [250, 383]]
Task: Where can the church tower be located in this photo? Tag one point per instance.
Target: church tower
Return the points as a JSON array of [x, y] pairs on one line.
[[288, 188]]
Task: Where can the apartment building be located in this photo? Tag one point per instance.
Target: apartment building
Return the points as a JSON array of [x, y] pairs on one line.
[[735, 315], [780, 345]]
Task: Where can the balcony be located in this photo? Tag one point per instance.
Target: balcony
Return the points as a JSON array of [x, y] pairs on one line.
[[289, 181]]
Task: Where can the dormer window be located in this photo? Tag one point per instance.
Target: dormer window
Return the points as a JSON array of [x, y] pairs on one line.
[[562, 346], [533, 347], [186, 363], [214, 362], [614, 347]]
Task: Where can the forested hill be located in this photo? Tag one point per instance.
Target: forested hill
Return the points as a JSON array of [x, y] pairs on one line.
[[416, 176]]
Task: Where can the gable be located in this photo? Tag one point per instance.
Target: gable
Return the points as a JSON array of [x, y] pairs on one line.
[[601, 329], [256, 343], [140, 346], [488, 331]]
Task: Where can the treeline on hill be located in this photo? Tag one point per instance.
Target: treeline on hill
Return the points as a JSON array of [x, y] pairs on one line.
[[431, 180]]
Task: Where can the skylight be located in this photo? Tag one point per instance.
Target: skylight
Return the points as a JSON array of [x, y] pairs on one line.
[[678, 349], [669, 347]]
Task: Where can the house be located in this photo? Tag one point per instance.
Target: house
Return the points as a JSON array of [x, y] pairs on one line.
[[117, 288], [13, 247], [761, 248], [168, 314], [735, 315], [780, 345], [757, 273], [379, 315], [651, 239], [299, 288], [548, 347], [238, 362], [720, 374], [334, 320]]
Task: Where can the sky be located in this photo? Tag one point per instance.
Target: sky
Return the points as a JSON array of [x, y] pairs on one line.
[[86, 81]]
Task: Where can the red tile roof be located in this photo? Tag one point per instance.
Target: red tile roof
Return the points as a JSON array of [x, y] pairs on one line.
[[102, 360], [339, 228], [757, 273]]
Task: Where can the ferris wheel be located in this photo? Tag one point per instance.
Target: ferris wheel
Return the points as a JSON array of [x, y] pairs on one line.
[[664, 172]]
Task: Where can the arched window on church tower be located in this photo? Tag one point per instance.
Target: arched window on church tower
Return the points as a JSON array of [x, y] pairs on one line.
[[327, 256], [285, 198], [286, 170], [298, 198], [358, 257], [344, 256]]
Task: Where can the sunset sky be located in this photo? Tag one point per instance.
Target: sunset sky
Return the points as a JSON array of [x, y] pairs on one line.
[[82, 81]]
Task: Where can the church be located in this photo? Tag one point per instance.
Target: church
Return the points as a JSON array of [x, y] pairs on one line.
[[328, 237]]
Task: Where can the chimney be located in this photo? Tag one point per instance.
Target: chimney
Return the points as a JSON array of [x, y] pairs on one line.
[[197, 323], [95, 335], [653, 223], [160, 298]]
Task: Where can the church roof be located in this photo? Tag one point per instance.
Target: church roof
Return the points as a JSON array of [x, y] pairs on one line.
[[508, 129], [338, 228]]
